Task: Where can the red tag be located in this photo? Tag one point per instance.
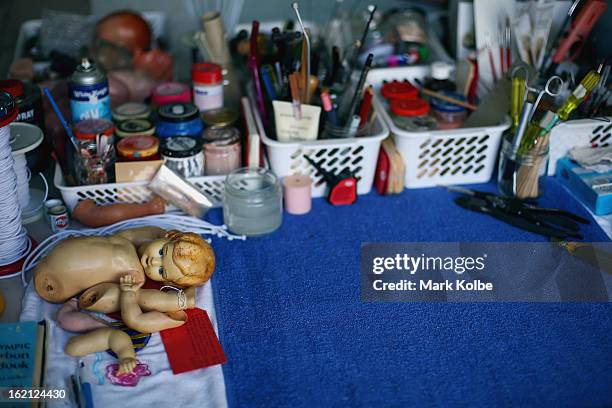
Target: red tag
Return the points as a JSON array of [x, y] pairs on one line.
[[193, 345]]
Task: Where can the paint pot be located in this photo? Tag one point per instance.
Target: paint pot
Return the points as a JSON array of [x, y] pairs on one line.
[[179, 119]]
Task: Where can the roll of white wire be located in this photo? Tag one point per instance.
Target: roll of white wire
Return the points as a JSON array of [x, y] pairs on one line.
[[14, 241], [23, 179]]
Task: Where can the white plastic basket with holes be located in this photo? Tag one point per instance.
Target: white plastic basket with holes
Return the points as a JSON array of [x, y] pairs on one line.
[[440, 157], [358, 155], [578, 133], [133, 192]]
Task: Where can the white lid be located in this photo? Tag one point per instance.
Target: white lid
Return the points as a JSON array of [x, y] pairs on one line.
[[440, 70]]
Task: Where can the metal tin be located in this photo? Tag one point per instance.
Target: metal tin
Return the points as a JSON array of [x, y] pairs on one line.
[[140, 147], [89, 129], [179, 119], [88, 90], [58, 218], [183, 155], [53, 202], [135, 127], [131, 110], [223, 117]]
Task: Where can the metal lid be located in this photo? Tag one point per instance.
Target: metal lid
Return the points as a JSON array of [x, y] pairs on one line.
[[131, 110], [135, 127], [8, 108], [221, 136], [180, 146], [178, 112], [88, 129], [138, 146], [444, 106], [220, 117]]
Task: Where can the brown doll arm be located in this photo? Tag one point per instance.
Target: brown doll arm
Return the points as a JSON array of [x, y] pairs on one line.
[[101, 340], [105, 298], [149, 322], [88, 213]]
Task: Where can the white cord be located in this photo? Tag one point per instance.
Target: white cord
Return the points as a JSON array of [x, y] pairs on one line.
[[23, 179], [182, 298], [14, 241], [164, 221]]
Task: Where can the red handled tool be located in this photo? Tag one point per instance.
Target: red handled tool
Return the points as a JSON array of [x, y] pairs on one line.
[[571, 44], [342, 187]]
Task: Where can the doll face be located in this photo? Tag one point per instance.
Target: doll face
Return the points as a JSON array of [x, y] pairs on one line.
[[156, 260]]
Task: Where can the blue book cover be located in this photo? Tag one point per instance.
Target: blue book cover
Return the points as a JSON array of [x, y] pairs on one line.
[[21, 354]]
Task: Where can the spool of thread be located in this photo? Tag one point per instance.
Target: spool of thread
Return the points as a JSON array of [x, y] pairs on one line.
[[297, 194]]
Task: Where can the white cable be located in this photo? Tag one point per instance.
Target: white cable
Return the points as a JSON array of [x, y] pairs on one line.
[[23, 179], [164, 221], [14, 241]]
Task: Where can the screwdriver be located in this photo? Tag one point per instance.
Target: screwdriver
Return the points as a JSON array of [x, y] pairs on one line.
[[588, 83], [517, 99]]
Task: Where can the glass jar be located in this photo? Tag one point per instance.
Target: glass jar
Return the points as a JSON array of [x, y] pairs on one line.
[[179, 119], [183, 155], [521, 174], [412, 115], [252, 204], [447, 114], [222, 151]]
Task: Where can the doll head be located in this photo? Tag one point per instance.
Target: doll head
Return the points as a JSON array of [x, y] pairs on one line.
[[180, 258]]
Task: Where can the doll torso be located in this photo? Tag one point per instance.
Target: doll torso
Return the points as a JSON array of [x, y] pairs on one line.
[[76, 264]]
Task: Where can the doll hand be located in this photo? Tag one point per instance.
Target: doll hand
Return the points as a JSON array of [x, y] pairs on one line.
[[128, 284], [127, 365]]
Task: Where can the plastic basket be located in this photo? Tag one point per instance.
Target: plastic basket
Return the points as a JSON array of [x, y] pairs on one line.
[[133, 192], [358, 155], [578, 133], [440, 157]]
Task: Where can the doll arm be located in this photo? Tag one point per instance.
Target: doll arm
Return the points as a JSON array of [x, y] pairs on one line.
[[138, 236], [88, 213], [105, 298], [101, 340], [134, 318]]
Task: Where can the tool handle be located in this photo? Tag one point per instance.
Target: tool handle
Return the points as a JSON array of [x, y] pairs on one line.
[[581, 28]]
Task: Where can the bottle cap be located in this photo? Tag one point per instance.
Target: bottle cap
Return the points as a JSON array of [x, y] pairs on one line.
[[440, 70], [399, 90], [134, 127], [131, 110], [178, 112], [170, 92], [13, 86], [409, 107], [180, 146], [206, 73], [221, 117], [138, 146]]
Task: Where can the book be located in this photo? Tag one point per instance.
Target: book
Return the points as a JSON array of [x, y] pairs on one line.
[[22, 354]]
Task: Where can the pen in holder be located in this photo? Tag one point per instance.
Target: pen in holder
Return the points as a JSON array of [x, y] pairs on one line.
[[93, 166], [521, 174]]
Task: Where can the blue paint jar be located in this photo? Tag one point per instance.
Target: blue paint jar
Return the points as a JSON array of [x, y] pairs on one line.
[[179, 119]]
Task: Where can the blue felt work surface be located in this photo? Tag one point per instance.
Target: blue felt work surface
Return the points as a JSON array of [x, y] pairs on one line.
[[296, 333]]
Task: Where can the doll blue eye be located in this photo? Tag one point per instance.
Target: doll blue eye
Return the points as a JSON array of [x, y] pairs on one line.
[[161, 271], [161, 251]]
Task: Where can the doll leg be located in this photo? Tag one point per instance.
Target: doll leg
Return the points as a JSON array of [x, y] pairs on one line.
[[101, 340], [148, 322]]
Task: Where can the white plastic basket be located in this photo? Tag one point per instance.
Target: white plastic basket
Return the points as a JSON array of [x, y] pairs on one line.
[[357, 155], [440, 157], [578, 133], [133, 192]]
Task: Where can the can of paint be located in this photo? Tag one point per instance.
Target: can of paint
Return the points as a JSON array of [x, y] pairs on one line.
[[88, 90], [58, 218]]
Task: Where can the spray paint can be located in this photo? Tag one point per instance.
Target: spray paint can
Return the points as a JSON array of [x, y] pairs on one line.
[[88, 89]]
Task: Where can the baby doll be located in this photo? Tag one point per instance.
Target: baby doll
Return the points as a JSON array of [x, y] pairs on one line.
[[79, 263]]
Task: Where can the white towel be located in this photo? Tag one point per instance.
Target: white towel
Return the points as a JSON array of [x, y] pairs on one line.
[[198, 388]]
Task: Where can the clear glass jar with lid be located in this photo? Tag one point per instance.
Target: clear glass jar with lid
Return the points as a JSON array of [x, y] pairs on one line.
[[412, 115]]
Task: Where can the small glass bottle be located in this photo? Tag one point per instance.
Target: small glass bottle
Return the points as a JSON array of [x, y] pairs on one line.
[[447, 114], [440, 78], [222, 150], [252, 203]]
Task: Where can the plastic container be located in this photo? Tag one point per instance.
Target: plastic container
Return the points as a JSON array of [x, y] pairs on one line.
[[183, 155], [522, 175], [253, 201], [448, 115], [399, 90], [207, 86], [179, 119], [222, 150], [412, 114], [138, 148], [439, 157], [131, 192], [170, 92]]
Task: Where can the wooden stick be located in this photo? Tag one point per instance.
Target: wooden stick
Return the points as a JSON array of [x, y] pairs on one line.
[[450, 99]]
